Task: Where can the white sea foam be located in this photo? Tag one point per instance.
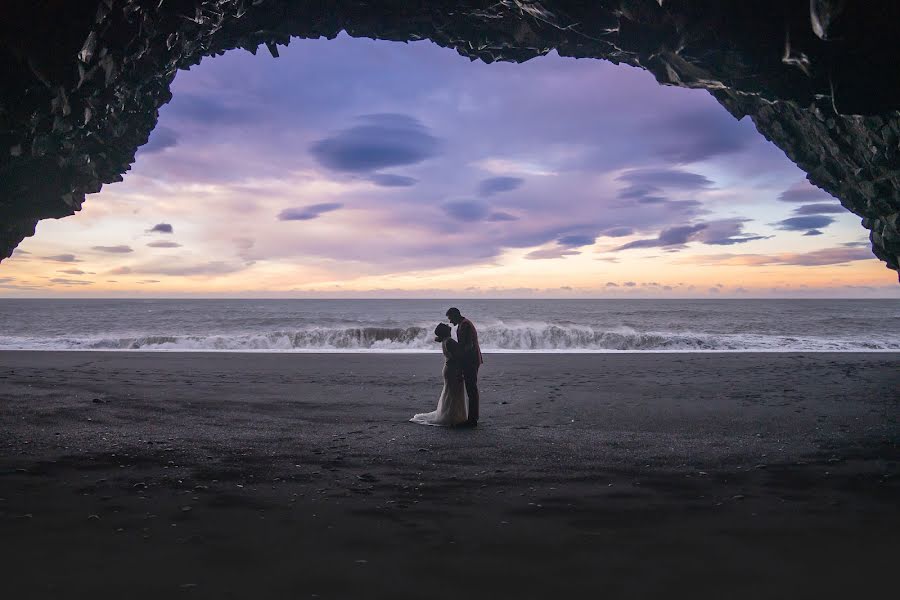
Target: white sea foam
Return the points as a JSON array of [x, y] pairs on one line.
[[494, 337]]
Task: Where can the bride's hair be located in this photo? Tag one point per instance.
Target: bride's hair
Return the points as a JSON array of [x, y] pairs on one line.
[[441, 332]]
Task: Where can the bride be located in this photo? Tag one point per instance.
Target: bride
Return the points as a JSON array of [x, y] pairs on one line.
[[451, 407]]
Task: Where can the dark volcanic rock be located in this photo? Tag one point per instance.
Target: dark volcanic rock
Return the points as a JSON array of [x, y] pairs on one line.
[[83, 81], [852, 157]]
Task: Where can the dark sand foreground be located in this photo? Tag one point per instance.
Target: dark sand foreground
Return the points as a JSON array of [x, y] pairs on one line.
[[591, 476]]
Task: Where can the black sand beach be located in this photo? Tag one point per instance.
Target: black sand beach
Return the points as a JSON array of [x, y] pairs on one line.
[[591, 476]]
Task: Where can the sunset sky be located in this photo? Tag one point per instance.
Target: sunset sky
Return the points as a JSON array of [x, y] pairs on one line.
[[355, 168]]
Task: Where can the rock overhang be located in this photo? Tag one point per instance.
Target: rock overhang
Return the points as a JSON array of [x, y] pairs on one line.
[[85, 80]]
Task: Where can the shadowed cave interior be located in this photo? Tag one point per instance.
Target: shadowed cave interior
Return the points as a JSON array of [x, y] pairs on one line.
[[85, 80]]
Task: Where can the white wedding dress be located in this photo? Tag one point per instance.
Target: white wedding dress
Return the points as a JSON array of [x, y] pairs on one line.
[[451, 408]]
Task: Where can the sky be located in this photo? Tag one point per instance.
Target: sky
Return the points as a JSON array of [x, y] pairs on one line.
[[361, 168]]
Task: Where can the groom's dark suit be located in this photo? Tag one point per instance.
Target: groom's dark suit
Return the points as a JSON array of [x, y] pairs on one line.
[[467, 337]]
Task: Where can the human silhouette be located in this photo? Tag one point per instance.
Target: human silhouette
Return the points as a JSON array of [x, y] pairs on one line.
[[470, 359], [451, 406]]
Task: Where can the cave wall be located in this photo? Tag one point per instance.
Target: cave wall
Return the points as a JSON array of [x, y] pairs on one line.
[[84, 80]]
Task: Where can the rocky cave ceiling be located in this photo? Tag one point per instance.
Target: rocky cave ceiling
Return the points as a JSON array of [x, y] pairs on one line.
[[83, 80]]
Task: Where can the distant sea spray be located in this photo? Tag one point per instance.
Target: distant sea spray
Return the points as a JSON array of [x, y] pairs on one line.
[[406, 325]]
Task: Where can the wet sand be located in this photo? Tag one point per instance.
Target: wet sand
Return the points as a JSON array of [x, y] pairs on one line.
[[297, 476]]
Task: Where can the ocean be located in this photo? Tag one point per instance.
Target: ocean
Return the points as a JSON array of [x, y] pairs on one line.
[[407, 325]]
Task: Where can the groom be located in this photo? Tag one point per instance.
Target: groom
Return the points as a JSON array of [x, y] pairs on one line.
[[471, 360]]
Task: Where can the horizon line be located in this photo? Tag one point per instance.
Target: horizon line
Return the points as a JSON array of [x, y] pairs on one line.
[[434, 298]]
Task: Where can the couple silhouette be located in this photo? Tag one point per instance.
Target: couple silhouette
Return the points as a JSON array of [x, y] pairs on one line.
[[462, 359]]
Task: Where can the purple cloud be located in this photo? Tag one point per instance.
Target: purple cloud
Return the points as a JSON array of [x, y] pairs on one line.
[[826, 256], [551, 253], [307, 213], [64, 281], [496, 185], [815, 258], [466, 210], [377, 142], [666, 178], [807, 223], [210, 268], [818, 209], [647, 186], [65, 258], [804, 192], [113, 249], [161, 228], [617, 232], [575, 241], [501, 216], [390, 180], [724, 232], [671, 236]]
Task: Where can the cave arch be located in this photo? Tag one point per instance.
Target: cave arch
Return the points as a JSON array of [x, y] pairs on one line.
[[816, 77]]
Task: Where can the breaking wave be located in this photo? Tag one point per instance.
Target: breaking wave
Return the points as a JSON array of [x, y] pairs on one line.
[[500, 337]]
